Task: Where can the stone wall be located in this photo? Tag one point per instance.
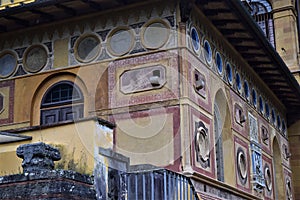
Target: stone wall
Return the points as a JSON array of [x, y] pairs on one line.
[[54, 184], [39, 179]]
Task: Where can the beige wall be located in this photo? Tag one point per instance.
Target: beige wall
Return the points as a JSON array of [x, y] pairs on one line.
[[78, 144]]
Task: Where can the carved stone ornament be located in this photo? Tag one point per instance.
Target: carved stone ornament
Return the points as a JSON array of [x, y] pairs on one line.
[[199, 83], [142, 79], [268, 177], [257, 168], [264, 135], [253, 128], [37, 157], [240, 117], [202, 144], [286, 152], [242, 165], [288, 186]]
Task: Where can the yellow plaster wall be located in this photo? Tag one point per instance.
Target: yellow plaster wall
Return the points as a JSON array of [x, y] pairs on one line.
[[78, 143], [29, 90], [61, 53], [146, 140]]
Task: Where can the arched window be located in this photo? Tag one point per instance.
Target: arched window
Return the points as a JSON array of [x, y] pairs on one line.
[[261, 10], [218, 141], [62, 102]]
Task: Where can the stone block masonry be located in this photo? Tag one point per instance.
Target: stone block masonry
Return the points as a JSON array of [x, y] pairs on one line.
[[41, 181]]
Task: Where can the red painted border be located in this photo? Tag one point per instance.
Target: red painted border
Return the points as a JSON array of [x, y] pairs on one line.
[[269, 161], [207, 121], [246, 146]]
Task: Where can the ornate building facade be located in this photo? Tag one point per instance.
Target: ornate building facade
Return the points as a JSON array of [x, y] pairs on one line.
[[121, 88]]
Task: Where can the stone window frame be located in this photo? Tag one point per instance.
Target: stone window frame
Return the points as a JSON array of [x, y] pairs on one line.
[[114, 31], [219, 63], [79, 40], [238, 81], [193, 28], [12, 53], [229, 73], [25, 64], [147, 24], [208, 53]]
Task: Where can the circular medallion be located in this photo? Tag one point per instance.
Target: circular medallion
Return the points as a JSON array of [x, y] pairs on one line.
[[155, 34], [254, 98], [36, 58], [195, 39], [267, 114], [202, 143], [246, 90], [8, 63], [207, 51], [242, 165], [87, 48], [229, 73], [278, 122], [121, 41], [238, 82], [261, 104], [268, 178], [219, 63]]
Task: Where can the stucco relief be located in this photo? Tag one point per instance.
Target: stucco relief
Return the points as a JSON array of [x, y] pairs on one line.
[[202, 146], [257, 169], [242, 165], [268, 177], [253, 128], [199, 83], [288, 186], [240, 117], [142, 79]]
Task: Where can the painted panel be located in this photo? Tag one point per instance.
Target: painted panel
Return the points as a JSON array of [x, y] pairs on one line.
[[241, 145], [137, 135], [144, 68], [206, 164], [239, 115], [198, 72], [7, 93]]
